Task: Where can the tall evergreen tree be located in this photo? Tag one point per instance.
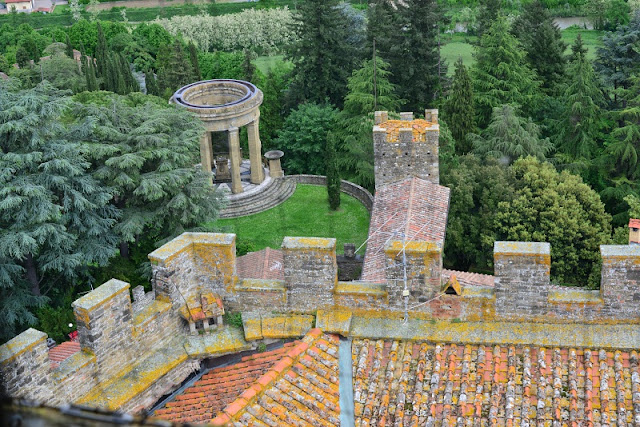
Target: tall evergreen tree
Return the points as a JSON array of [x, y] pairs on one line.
[[541, 39], [69, 50], [582, 119], [193, 58], [458, 111], [333, 176], [55, 218], [151, 84], [321, 56], [248, 69], [487, 14], [176, 70], [101, 53], [22, 57], [500, 74], [577, 49]]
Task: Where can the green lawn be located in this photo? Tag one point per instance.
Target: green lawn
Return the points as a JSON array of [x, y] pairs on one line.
[[592, 39], [307, 214], [265, 63], [61, 9]]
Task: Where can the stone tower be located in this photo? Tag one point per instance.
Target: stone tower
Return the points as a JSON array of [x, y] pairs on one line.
[[406, 147]]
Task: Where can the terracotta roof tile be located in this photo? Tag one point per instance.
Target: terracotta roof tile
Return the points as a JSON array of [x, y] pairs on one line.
[[264, 264], [62, 351], [221, 386], [419, 383], [414, 208], [634, 223], [468, 278]]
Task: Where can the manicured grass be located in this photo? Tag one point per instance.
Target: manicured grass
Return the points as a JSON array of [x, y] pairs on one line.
[[592, 39], [61, 9], [453, 50], [265, 63], [306, 213]]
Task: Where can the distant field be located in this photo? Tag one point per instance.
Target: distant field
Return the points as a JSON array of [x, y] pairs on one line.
[[265, 63]]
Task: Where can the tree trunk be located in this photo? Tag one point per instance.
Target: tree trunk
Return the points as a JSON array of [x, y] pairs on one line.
[[32, 274], [124, 249]]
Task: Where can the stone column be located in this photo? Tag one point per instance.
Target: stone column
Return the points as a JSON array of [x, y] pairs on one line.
[[205, 154], [234, 155], [255, 152]]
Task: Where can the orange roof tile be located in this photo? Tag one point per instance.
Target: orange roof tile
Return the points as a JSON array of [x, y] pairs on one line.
[[60, 352], [468, 278], [264, 264], [634, 223], [419, 383], [219, 387], [414, 208]]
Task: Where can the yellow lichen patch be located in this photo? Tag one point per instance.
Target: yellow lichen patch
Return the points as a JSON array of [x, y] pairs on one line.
[[252, 326], [334, 321], [418, 127], [308, 243], [413, 247], [72, 364], [576, 296], [260, 285], [150, 313], [21, 344], [222, 341], [361, 288], [286, 326]]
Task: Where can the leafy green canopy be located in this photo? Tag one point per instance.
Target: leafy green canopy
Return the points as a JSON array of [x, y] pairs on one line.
[[55, 218]]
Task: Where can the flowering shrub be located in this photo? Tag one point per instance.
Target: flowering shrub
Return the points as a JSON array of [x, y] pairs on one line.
[[265, 31]]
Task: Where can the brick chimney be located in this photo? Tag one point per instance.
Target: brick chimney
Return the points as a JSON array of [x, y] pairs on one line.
[[634, 231]]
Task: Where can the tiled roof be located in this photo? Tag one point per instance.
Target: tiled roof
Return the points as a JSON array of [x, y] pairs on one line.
[[413, 207], [417, 383], [60, 352], [302, 389], [468, 278], [634, 223], [264, 264], [220, 386]]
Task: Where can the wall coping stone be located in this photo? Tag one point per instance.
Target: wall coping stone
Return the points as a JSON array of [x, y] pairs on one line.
[[412, 247], [20, 344], [169, 250], [574, 295], [260, 285], [626, 251], [101, 295], [522, 248], [361, 288], [302, 243], [72, 364]]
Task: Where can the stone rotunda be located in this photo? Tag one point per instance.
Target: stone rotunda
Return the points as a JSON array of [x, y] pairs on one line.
[[224, 106]]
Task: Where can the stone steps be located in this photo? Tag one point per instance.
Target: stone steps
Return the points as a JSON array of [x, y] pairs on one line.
[[276, 192]]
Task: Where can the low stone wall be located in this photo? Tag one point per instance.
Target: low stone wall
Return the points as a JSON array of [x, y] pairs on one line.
[[354, 190]]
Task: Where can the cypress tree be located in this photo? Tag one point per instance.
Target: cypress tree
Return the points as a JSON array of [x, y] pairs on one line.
[[151, 83], [541, 39], [248, 69], [333, 177], [101, 53], [193, 57], [176, 71], [458, 111], [69, 50]]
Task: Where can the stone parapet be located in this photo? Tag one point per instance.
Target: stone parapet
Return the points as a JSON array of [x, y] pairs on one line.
[[310, 272], [620, 284]]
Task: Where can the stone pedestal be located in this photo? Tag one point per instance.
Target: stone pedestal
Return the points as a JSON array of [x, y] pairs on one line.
[[275, 168]]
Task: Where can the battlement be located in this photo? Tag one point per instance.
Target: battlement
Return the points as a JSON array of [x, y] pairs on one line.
[[406, 147]]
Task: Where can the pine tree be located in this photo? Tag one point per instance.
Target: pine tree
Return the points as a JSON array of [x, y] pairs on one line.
[[69, 50], [322, 57], [500, 74], [458, 111], [579, 127], [623, 154], [101, 53], [577, 50], [193, 58], [510, 137], [151, 83], [487, 14], [333, 176], [541, 39]]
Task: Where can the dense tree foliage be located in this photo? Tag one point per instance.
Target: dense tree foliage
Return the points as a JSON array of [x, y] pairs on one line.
[[458, 111]]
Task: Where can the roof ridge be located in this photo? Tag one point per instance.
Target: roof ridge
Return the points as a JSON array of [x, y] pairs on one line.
[[268, 378]]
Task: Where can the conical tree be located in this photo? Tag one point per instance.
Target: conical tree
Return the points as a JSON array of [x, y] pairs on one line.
[[69, 49], [333, 176], [101, 53], [195, 66], [458, 111], [541, 39], [500, 74], [248, 69], [577, 49], [582, 120], [176, 69], [151, 83]]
